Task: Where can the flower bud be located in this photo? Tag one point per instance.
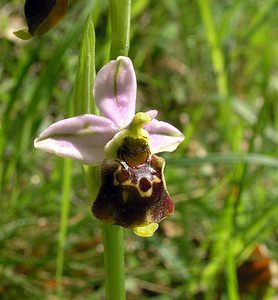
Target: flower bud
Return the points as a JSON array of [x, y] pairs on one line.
[[41, 16]]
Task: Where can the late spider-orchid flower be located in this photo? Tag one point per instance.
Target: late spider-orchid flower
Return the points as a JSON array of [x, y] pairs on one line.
[[133, 192]]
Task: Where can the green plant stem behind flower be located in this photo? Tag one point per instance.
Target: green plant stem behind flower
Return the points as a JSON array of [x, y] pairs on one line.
[[113, 238], [112, 235], [120, 23], [113, 241]]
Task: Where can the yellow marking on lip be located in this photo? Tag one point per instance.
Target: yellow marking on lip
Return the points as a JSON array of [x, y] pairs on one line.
[[128, 182], [115, 180]]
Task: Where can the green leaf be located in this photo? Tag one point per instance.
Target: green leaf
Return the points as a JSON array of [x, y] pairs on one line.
[[229, 158], [83, 98]]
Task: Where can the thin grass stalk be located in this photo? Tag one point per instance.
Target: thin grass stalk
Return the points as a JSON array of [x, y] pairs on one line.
[[225, 107], [218, 63], [65, 205]]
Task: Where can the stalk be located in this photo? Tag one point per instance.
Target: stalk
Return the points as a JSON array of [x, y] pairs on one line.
[[113, 238], [65, 204]]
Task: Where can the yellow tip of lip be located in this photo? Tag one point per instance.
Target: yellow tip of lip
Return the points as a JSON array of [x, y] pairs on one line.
[[145, 231]]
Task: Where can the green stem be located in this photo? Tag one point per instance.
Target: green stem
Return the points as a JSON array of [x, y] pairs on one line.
[[120, 24], [114, 261], [112, 234], [67, 167]]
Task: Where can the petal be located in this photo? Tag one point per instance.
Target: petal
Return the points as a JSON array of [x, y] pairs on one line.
[[115, 91], [152, 113], [82, 138], [163, 136]]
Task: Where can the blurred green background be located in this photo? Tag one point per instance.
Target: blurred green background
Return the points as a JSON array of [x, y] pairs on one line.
[[210, 68]]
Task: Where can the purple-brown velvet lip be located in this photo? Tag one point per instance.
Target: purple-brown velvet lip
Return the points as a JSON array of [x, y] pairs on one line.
[[132, 196]]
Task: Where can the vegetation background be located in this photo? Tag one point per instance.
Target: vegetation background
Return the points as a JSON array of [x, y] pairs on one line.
[[210, 67]]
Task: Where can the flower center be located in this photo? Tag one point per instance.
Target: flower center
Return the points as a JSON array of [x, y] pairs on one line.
[[131, 144], [135, 149], [134, 152]]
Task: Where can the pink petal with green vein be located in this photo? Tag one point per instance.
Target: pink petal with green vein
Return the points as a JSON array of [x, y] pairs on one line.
[[82, 138], [115, 91]]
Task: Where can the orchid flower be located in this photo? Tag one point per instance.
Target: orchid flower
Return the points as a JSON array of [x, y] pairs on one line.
[[133, 192]]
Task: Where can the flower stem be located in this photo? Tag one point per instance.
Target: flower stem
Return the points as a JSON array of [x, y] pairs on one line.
[[114, 261], [113, 238], [120, 24]]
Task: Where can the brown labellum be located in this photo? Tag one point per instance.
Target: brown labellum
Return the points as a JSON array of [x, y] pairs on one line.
[[133, 194]]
